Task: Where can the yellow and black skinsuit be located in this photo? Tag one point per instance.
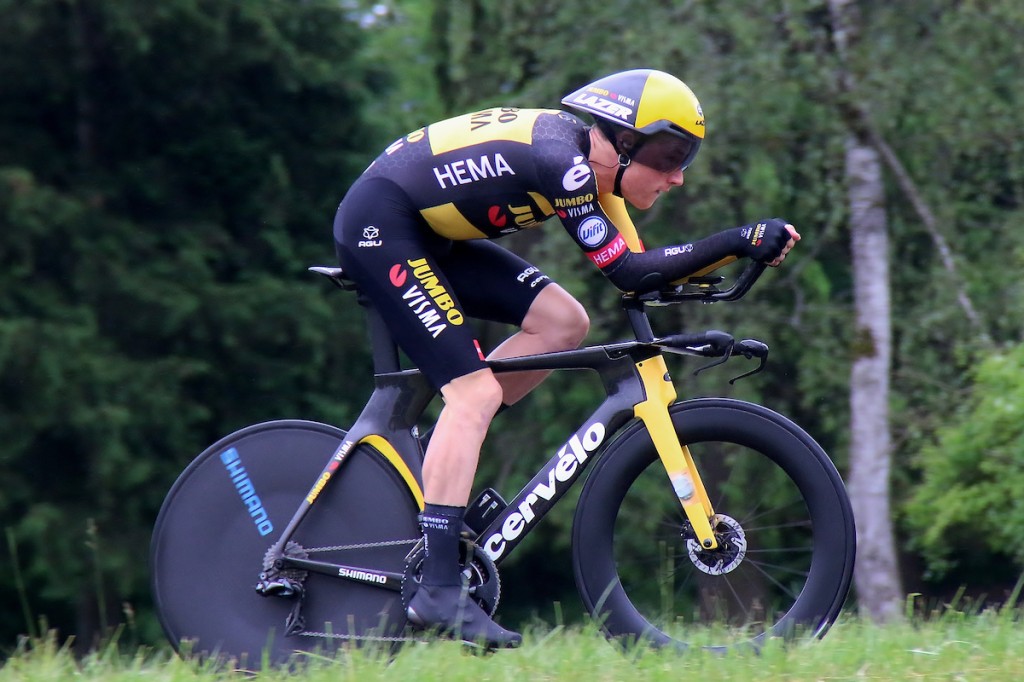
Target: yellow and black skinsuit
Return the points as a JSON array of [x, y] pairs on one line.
[[416, 231]]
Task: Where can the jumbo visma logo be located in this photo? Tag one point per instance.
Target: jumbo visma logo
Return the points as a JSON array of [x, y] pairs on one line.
[[429, 302]]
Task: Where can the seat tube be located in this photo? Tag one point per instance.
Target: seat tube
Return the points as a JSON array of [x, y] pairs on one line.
[[676, 457]]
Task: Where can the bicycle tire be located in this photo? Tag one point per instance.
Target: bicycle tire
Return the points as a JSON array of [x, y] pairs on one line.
[[210, 539], [638, 576]]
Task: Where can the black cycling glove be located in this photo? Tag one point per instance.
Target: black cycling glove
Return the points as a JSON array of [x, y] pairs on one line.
[[764, 240]]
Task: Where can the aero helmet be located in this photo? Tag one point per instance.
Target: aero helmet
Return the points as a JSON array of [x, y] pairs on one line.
[[657, 105]]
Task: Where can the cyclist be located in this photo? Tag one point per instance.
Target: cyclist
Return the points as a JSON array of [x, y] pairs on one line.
[[416, 231]]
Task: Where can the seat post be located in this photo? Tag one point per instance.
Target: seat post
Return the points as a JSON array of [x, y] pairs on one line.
[[382, 344]]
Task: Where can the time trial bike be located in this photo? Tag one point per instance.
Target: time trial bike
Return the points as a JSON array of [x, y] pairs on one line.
[[711, 519]]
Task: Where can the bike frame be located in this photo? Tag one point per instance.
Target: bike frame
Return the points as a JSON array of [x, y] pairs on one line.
[[637, 386]]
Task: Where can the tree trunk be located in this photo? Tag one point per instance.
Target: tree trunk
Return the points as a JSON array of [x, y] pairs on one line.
[[877, 575]]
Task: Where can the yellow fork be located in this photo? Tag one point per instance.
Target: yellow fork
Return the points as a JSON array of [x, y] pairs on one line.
[[676, 458]]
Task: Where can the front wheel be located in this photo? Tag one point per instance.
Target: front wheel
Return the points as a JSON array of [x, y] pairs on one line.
[[783, 521]]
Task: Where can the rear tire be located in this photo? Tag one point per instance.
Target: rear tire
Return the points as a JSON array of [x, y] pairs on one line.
[[787, 534], [212, 534]]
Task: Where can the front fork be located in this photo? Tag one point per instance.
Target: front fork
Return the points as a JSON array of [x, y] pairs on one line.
[[682, 472]]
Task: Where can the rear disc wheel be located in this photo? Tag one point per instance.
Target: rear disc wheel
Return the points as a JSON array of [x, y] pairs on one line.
[[230, 506]]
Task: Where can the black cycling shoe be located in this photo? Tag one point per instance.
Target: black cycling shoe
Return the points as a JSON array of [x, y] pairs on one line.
[[449, 609]]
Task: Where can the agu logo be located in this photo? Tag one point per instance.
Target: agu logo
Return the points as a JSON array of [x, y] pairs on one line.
[[592, 231], [371, 237]]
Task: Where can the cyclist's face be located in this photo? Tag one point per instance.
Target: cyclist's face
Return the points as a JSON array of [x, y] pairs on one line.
[[642, 185]]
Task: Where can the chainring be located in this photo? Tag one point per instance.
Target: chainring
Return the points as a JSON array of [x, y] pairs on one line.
[[478, 568]]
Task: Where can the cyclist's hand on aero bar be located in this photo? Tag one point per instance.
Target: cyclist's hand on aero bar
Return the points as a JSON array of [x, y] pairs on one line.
[[769, 240]]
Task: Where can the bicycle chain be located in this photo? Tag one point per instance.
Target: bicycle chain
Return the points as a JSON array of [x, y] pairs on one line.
[[365, 545], [362, 638], [295, 578]]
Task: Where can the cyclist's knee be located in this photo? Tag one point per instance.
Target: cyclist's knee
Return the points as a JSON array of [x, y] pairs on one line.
[[475, 397], [559, 317], [576, 323]]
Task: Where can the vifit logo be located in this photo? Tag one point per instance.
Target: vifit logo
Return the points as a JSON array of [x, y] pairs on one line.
[[592, 231], [553, 483], [243, 484]]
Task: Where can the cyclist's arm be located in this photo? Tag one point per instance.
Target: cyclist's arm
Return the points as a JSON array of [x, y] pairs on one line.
[[636, 269], [602, 228]]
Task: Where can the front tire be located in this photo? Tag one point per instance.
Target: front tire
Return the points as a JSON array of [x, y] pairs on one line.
[[785, 527]]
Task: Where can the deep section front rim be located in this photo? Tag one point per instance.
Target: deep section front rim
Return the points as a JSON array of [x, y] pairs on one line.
[[635, 562]]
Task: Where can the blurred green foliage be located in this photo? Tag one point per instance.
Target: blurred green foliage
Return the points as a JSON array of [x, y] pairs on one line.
[[168, 170]]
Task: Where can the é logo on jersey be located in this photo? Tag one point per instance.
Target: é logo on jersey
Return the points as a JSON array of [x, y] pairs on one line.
[[576, 176]]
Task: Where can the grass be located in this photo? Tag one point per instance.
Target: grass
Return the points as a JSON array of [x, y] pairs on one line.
[[954, 646]]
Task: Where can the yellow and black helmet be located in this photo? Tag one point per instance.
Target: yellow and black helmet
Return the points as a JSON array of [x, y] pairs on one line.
[[657, 105]]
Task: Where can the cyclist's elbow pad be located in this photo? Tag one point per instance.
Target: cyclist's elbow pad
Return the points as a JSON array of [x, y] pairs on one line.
[[632, 275]]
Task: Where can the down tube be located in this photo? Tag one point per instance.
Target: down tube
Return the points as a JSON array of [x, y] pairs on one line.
[[542, 493]]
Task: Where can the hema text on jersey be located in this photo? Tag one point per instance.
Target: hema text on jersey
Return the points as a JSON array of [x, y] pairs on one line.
[[466, 171]]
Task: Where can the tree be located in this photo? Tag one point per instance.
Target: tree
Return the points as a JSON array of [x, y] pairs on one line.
[[167, 172], [877, 579], [973, 473]]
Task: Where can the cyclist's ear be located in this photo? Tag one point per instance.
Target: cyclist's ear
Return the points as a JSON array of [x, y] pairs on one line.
[[627, 140]]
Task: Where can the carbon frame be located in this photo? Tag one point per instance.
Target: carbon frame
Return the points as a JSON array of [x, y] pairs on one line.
[[388, 422]]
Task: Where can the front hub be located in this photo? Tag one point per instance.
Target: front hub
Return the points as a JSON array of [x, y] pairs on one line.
[[732, 547]]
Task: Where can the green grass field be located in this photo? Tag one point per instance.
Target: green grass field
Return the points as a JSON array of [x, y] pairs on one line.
[[984, 647]]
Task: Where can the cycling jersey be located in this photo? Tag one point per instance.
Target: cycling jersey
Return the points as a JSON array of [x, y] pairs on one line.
[[497, 171], [479, 177]]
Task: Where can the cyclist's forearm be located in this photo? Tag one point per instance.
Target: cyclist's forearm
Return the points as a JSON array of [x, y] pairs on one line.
[[657, 267]]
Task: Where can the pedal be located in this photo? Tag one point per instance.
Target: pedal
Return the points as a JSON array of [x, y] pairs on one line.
[[481, 511]]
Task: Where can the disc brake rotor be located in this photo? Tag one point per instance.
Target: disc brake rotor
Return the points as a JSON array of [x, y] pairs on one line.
[[731, 550]]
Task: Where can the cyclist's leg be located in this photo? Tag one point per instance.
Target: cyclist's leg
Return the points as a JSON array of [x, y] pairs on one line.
[[470, 403], [397, 269], [496, 284], [556, 321]]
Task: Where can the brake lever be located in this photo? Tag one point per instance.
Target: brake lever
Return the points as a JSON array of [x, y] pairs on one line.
[[752, 348], [727, 353]]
